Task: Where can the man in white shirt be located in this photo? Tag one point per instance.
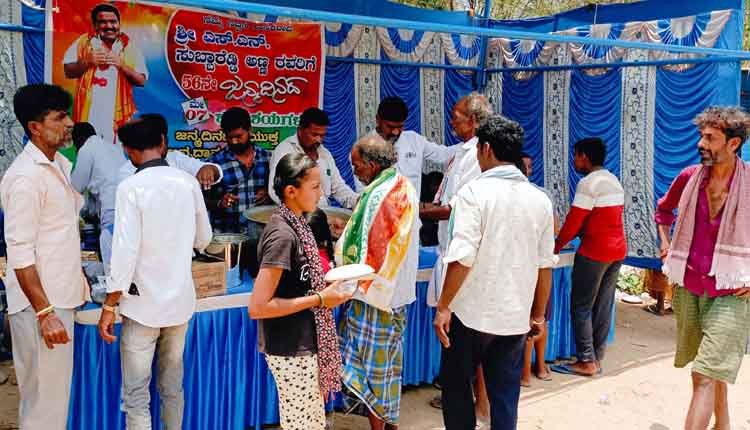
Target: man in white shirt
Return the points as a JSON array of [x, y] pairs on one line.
[[498, 279], [96, 166], [107, 65], [313, 125], [412, 148], [161, 217], [468, 114], [44, 282]]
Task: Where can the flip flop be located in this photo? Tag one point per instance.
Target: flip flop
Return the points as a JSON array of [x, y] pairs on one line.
[[567, 370]]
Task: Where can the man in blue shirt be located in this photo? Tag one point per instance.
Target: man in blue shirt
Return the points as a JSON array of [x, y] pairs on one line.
[[245, 182]]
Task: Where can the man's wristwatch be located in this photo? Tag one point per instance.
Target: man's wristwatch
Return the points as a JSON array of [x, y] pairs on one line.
[[108, 308]]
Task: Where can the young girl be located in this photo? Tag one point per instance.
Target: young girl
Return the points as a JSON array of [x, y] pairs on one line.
[[296, 328]]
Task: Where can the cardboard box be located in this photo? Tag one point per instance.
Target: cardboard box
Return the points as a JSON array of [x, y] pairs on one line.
[[210, 278], [89, 256]]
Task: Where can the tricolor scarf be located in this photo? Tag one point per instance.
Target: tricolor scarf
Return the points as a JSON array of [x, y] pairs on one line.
[[124, 101], [329, 355], [731, 259], [379, 233]]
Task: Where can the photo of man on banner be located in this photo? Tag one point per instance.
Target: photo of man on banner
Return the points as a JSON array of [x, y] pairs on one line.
[[107, 65]]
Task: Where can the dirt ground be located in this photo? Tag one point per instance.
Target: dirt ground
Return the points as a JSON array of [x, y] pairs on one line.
[[639, 389]]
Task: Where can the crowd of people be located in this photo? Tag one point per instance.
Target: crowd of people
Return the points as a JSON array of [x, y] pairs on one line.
[[497, 234]]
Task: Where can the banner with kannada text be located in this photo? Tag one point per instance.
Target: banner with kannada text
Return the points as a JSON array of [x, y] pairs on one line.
[[123, 58]]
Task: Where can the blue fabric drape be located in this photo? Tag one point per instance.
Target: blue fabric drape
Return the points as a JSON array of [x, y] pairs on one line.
[[727, 78], [690, 39], [336, 38], [526, 58], [33, 44], [456, 85], [338, 102], [523, 102], [680, 96], [599, 52], [466, 52], [404, 82], [405, 46], [595, 109]]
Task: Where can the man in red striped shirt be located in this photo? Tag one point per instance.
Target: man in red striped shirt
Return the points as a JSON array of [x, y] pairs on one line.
[[596, 216]]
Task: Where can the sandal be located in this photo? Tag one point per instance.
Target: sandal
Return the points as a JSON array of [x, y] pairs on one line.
[[653, 309], [437, 402]]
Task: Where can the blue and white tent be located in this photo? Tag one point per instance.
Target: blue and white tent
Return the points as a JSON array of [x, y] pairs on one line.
[[600, 70]]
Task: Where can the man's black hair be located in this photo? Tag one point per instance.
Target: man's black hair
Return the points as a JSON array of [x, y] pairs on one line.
[[157, 117], [504, 136], [142, 133], [234, 118], [81, 132], [593, 148], [393, 109], [313, 116], [103, 7], [33, 102]]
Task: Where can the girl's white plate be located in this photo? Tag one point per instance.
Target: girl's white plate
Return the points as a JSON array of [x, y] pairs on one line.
[[349, 272]]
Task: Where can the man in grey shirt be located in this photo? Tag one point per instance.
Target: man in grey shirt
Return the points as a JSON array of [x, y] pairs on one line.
[[94, 171]]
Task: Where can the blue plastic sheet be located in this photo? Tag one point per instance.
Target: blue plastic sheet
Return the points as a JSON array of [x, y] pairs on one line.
[[33, 44]]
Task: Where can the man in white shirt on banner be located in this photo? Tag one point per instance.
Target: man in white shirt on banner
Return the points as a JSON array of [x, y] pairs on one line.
[[498, 280], [161, 218], [107, 65], [313, 125], [44, 282]]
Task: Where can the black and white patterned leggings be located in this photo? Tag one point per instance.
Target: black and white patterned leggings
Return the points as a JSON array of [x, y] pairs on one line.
[[300, 402]]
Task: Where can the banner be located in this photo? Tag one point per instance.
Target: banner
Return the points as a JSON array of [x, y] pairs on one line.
[[123, 58]]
